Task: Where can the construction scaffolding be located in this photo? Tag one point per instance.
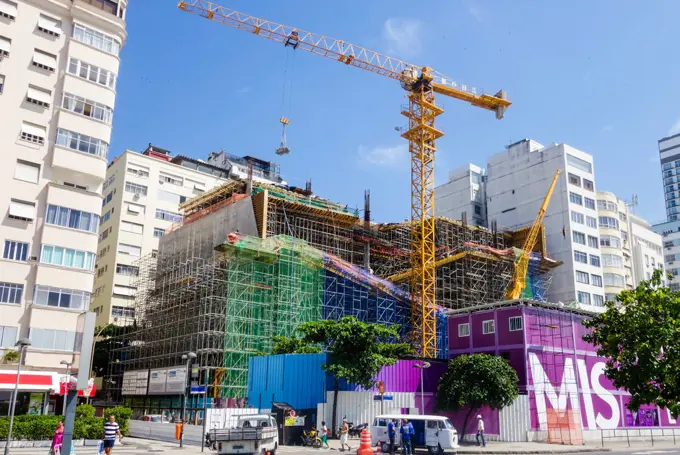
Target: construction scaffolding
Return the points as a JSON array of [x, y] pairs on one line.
[[250, 261]]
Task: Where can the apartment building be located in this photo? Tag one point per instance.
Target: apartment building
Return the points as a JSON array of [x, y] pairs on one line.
[[463, 197], [669, 154], [670, 237], [142, 194]]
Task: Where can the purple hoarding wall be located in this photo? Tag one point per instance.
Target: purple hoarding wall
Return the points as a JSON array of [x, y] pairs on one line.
[[402, 377]]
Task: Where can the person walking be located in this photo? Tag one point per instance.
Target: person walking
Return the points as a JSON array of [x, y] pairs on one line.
[[344, 435], [324, 436], [407, 433], [58, 438], [111, 430], [480, 430], [391, 434]]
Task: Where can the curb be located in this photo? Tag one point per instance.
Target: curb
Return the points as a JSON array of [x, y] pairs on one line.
[[508, 452]]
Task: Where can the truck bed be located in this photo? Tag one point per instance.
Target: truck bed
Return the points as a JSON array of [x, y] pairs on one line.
[[242, 434]]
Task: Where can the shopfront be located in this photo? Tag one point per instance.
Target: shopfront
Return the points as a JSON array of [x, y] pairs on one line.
[[33, 391]]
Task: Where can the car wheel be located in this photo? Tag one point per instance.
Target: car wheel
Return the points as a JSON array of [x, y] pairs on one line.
[[385, 447], [432, 450]]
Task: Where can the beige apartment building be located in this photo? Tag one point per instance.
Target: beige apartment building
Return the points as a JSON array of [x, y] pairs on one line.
[[59, 62], [141, 199]]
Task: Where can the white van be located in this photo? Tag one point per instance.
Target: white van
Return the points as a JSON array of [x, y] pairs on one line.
[[434, 432]]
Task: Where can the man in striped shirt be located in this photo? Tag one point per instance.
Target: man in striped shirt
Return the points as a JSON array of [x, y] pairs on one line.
[[111, 430]]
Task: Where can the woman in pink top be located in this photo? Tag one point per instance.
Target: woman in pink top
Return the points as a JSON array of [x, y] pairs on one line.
[[58, 438]]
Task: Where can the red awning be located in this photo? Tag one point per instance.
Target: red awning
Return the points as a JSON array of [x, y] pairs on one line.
[[89, 392], [30, 381]]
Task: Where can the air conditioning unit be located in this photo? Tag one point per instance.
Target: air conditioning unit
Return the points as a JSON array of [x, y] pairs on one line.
[[33, 259], [136, 196]]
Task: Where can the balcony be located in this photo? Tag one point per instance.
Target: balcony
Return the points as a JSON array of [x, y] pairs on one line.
[[108, 6], [82, 167]]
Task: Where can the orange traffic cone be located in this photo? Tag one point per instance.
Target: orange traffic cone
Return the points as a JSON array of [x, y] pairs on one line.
[[379, 447], [365, 444]]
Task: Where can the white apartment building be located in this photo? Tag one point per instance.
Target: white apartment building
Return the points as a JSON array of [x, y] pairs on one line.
[[669, 154], [142, 194], [463, 196], [670, 236], [59, 62]]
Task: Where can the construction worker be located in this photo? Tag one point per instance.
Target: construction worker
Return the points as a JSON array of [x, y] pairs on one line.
[[391, 434], [407, 434]]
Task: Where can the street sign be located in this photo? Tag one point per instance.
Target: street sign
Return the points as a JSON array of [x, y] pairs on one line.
[[384, 398], [198, 389]]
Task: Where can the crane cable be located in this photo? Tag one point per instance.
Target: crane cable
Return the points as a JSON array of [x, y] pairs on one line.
[[287, 88]]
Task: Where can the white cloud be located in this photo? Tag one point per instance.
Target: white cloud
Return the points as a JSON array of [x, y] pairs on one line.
[[607, 128], [475, 12], [384, 156], [675, 129], [403, 37]]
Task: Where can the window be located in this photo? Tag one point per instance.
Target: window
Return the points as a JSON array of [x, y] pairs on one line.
[[106, 199], [171, 197], [168, 216], [139, 171], [583, 297], [578, 163], [574, 179], [598, 300], [21, 210], [575, 198], [130, 250], [2, 83], [610, 241], [92, 73], [109, 6], [609, 222], [582, 277], [82, 143], [594, 260], [588, 185], [577, 217], [136, 189], [579, 237], [593, 242], [15, 251], [590, 203], [27, 171], [623, 217], [131, 227], [5, 45], [44, 60], [624, 235], [134, 209], [596, 280], [106, 217], [515, 323], [580, 257], [646, 260], [96, 39], [610, 297], [601, 204], [39, 96], [8, 9], [57, 340], [612, 260], [8, 335], [653, 263], [128, 291], [33, 133], [73, 185], [71, 218], [127, 270], [488, 327], [11, 293], [172, 179], [108, 182], [122, 312], [591, 222], [158, 232], [614, 279], [88, 108], [464, 330], [67, 257], [61, 298], [49, 25]]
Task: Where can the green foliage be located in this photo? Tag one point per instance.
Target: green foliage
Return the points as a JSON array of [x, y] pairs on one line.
[[88, 428], [11, 356], [30, 427], [640, 337], [474, 381], [293, 345], [108, 338], [122, 414], [84, 411]]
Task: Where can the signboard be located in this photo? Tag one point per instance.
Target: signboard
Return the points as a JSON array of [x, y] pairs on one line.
[[135, 382], [198, 389], [295, 421], [167, 381], [384, 398], [157, 380], [82, 351]]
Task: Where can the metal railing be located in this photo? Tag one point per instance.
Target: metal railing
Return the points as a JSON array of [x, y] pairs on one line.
[[641, 434]]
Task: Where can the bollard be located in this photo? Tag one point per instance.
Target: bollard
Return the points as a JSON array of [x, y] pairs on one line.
[[178, 431], [365, 444]]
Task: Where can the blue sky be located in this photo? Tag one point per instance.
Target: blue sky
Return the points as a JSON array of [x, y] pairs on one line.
[[601, 76]]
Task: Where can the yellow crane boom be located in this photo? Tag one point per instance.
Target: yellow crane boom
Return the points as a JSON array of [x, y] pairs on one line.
[[519, 275], [422, 83]]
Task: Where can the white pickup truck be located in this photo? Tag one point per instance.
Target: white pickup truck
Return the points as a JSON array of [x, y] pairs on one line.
[[254, 434]]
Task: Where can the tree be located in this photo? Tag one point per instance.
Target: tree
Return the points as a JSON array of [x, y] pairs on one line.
[[357, 350], [293, 345], [640, 338], [474, 381]]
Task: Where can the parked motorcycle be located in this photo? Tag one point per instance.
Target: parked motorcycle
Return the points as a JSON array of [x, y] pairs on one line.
[[311, 439], [355, 431]]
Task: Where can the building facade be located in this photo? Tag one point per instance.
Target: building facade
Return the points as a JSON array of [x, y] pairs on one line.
[[142, 194], [669, 154], [670, 237], [463, 196], [239, 167], [59, 60]]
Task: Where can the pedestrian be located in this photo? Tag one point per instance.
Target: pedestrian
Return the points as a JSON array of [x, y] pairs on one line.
[[58, 438], [480, 430], [111, 430], [324, 436], [391, 433], [407, 435], [344, 435]]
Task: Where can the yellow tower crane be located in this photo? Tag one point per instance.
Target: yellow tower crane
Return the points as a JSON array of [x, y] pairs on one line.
[[421, 83], [519, 275]]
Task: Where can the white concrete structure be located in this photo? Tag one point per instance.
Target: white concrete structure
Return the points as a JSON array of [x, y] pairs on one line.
[[238, 167], [669, 154], [670, 236], [463, 196], [142, 194], [517, 181], [59, 62], [647, 248]]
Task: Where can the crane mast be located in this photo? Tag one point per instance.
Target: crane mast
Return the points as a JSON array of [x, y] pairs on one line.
[[422, 83]]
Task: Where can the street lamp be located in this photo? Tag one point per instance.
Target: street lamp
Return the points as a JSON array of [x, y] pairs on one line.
[[68, 382], [188, 357], [423, 366], [21, 344]]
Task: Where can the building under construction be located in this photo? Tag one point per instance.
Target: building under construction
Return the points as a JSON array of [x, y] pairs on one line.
[[250, 261]]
